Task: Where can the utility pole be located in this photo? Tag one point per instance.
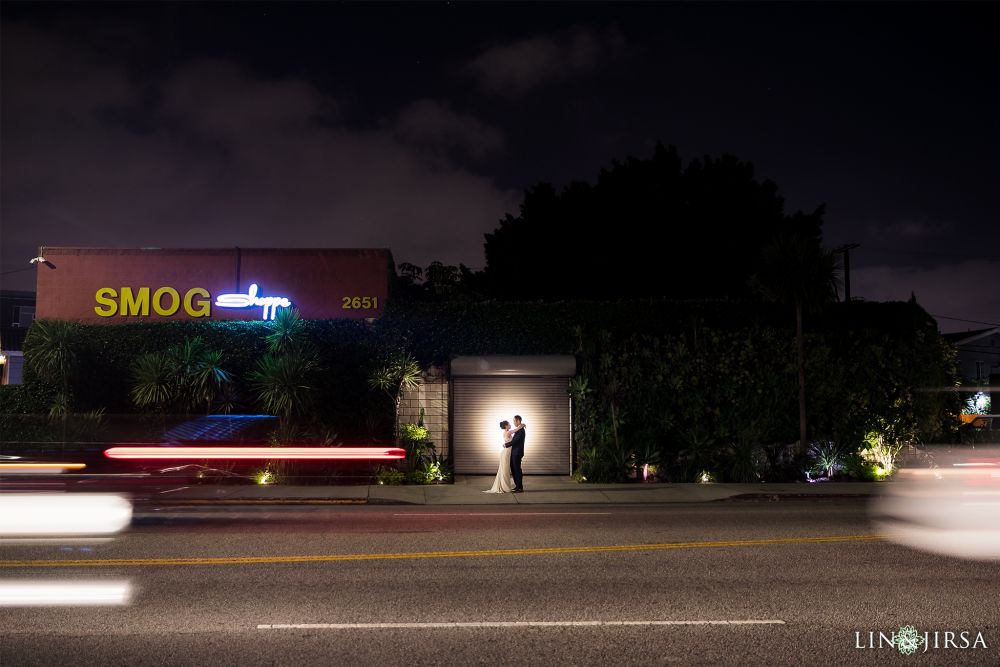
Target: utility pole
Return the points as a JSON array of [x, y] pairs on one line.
[[846, 249]]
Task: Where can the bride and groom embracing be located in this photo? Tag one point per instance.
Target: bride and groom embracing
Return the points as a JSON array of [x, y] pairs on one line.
[[509, 476]]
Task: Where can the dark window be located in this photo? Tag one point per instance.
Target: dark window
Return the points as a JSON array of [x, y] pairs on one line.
[[23, 316]]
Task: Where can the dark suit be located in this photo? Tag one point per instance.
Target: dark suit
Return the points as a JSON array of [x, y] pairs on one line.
[[516, 454]]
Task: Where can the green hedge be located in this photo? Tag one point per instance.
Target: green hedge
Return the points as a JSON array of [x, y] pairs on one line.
[[672, 364]]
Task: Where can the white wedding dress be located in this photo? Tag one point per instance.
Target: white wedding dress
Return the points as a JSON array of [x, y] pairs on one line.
[[504, 482]]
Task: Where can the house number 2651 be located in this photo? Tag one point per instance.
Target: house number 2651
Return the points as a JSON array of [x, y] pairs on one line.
[[362, 302]]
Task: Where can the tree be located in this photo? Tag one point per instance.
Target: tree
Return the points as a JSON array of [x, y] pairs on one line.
[[796, 270], [663, 230], [438, 282], [392, 377], [283, 377], [52, 354], [286, 332], [282, 383]]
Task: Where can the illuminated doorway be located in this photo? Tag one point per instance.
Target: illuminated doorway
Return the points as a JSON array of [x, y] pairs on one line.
[[488, 390]]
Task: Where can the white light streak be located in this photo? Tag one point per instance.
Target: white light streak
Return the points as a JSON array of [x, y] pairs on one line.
[[29, 514], [64, 593]]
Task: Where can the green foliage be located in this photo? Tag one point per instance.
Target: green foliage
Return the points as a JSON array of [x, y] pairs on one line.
[[857, 467], [106, 354], [154, 381], [53, 356], [434, 472], [748, 461], [605, 463], [978, 403], [23, 399], [183, 378], [286, 332], [282, 383], [881, 449], [421, 454], [390, 477], [682, 386], [73, 430], [827, 458], [411, 433], [400, 371]]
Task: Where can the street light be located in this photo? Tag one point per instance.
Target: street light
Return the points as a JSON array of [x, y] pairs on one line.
[[41, 260]]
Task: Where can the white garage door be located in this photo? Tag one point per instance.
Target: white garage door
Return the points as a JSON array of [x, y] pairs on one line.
[[480, 403]]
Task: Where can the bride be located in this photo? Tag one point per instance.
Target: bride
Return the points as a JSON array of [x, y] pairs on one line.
[[504, 482]]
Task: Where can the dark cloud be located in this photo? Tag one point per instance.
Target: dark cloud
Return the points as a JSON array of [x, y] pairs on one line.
[[324, 124], [225, 158], [514, 68], [435, 125], [910, 229]]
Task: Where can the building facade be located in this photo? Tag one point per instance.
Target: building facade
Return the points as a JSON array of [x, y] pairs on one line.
[[116, 285], [461, 403]]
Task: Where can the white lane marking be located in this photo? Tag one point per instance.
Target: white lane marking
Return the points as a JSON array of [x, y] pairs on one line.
[[24, 593], [501, 513], [180, 488], [500, 624]]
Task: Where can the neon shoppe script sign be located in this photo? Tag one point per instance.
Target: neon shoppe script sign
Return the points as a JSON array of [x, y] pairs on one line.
[[196, 302]]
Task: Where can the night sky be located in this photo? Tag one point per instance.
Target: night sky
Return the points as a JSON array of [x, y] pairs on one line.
[[417, 127]]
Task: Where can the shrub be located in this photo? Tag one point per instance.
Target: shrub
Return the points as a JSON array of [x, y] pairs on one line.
[[827, 458], [389, 477]]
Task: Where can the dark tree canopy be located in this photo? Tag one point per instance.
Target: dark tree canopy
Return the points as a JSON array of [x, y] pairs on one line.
[[647, 228]]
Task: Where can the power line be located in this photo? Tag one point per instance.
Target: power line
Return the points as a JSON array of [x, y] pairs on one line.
[[4, 273], [933, 254], [959, 319]]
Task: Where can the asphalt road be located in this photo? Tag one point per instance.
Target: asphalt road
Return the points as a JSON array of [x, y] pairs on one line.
[[784, 583]]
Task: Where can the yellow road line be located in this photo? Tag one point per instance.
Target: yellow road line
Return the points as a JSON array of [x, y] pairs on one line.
[[329, 558]]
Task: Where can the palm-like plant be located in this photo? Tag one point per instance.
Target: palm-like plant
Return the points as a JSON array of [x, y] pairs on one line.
[[398, 373], [209, 379], [153, 381], [281, 383], [183, 377], [795, 269], [52, 354], [286, 331], [282, 379]]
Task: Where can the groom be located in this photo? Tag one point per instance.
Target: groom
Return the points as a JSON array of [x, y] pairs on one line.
[[517, 453]]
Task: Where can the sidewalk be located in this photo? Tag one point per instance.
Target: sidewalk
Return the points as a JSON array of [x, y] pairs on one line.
[[540, 490]]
